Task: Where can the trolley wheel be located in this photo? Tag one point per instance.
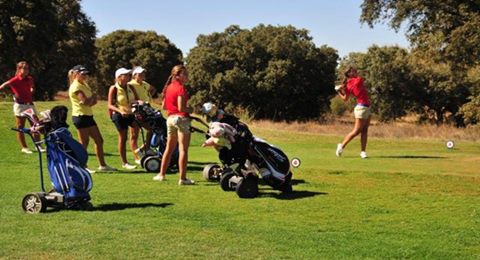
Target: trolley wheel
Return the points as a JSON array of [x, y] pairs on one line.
[[286, 187], [247, 187], [142, 160], [225, 180], [34, 203], [152, 164], [211, 172]]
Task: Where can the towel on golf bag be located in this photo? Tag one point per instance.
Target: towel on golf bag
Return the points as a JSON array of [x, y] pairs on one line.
[[66, 160]]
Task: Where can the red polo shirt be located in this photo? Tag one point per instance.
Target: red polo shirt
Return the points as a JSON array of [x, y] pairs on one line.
[[356, 87], [173, 91], [22, 88]]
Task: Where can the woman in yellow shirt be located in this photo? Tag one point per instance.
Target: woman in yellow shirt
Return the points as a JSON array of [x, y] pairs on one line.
[[82, 100], [145, 92], [121, 96]]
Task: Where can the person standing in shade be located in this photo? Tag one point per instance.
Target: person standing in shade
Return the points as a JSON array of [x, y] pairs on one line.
[[83, 99], [353, 85], [121, 96], [175, 100], [22, 88], [145, 92]]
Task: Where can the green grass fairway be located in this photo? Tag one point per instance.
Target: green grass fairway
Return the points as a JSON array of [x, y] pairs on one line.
[[410, 199]]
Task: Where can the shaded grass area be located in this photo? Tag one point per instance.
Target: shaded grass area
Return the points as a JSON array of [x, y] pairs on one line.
[[410, 199]]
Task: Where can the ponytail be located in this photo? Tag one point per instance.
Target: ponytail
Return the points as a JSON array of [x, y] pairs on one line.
[[71, 76], [176, 70], [20, 65]]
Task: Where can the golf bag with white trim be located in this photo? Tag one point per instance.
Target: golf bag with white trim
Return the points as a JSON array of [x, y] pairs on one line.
[[66, 160]]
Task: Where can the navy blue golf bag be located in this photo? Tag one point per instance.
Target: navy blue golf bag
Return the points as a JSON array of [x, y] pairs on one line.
[[66, 159]]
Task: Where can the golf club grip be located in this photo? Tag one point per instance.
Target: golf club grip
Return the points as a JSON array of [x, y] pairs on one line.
[[21, 130]]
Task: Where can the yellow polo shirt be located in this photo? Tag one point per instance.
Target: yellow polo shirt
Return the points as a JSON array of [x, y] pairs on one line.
[[125, 98], [142, 90], [77, 108]]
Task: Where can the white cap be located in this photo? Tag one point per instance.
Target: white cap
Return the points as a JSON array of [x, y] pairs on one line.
[[122, 71], [207, 107], [138, 70]]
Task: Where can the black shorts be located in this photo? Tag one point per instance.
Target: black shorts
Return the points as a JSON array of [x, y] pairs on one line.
[[122, 122], [83, 121]]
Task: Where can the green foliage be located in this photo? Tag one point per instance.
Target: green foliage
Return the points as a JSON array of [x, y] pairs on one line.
[[442, 92], [445, 37], [275, 71], [450, 28], [339, 108], [470, 111], [52, 36], [127, 49]]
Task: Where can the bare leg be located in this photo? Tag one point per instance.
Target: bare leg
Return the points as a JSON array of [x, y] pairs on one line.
[[134, 130], [356, 130], [167, 155], [364, 134], [83, 137], [94, 132], [183, 143], [20, 123], [122, 141]]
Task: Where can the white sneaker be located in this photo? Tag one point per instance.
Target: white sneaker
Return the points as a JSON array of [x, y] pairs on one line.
[[41, 149], [339, 150], [138, 161], [90, 171], [128, 166], [159, 177], [186, 182], [106, 168], [26, 150], [363, 155]]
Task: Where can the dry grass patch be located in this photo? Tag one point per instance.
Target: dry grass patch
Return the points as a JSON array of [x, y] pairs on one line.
[[379, 130]]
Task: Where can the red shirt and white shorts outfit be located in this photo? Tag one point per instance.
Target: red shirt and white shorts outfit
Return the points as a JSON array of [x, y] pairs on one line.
[[177, 121], [22, 92], [356, 87]]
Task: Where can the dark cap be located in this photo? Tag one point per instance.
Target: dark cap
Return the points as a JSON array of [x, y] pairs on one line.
[[81, 69]]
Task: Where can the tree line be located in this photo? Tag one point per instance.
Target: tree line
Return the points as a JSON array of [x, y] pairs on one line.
[[271, 72]]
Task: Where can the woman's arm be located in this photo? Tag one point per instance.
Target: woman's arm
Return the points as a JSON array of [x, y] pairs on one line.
[[112, 100], [84, 100], [152, 91], [182, 104], [32, 89], [342, 92], [6, 84]]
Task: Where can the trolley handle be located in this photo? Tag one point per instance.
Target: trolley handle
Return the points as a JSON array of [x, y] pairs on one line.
[[21, 130]]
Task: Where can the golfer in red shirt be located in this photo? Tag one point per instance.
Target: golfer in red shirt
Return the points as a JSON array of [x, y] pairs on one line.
[[22, 88], [354, 86], [175, 99]]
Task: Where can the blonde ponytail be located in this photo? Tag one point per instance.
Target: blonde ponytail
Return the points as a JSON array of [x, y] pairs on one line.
[[176, 70], [71, 76]]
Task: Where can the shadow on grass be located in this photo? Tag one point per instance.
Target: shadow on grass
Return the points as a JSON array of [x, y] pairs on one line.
[[122, 206], [203, 163], [105, 154], [291, 195], [410, 157], [297, 181]]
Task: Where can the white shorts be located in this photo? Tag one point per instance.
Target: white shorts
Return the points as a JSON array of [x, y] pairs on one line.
[[18, 109], [362, 112], [177, 124]]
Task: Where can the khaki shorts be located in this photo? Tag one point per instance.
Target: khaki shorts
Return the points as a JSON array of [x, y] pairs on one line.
[[177, 124], [362, 112], [18, 109]]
